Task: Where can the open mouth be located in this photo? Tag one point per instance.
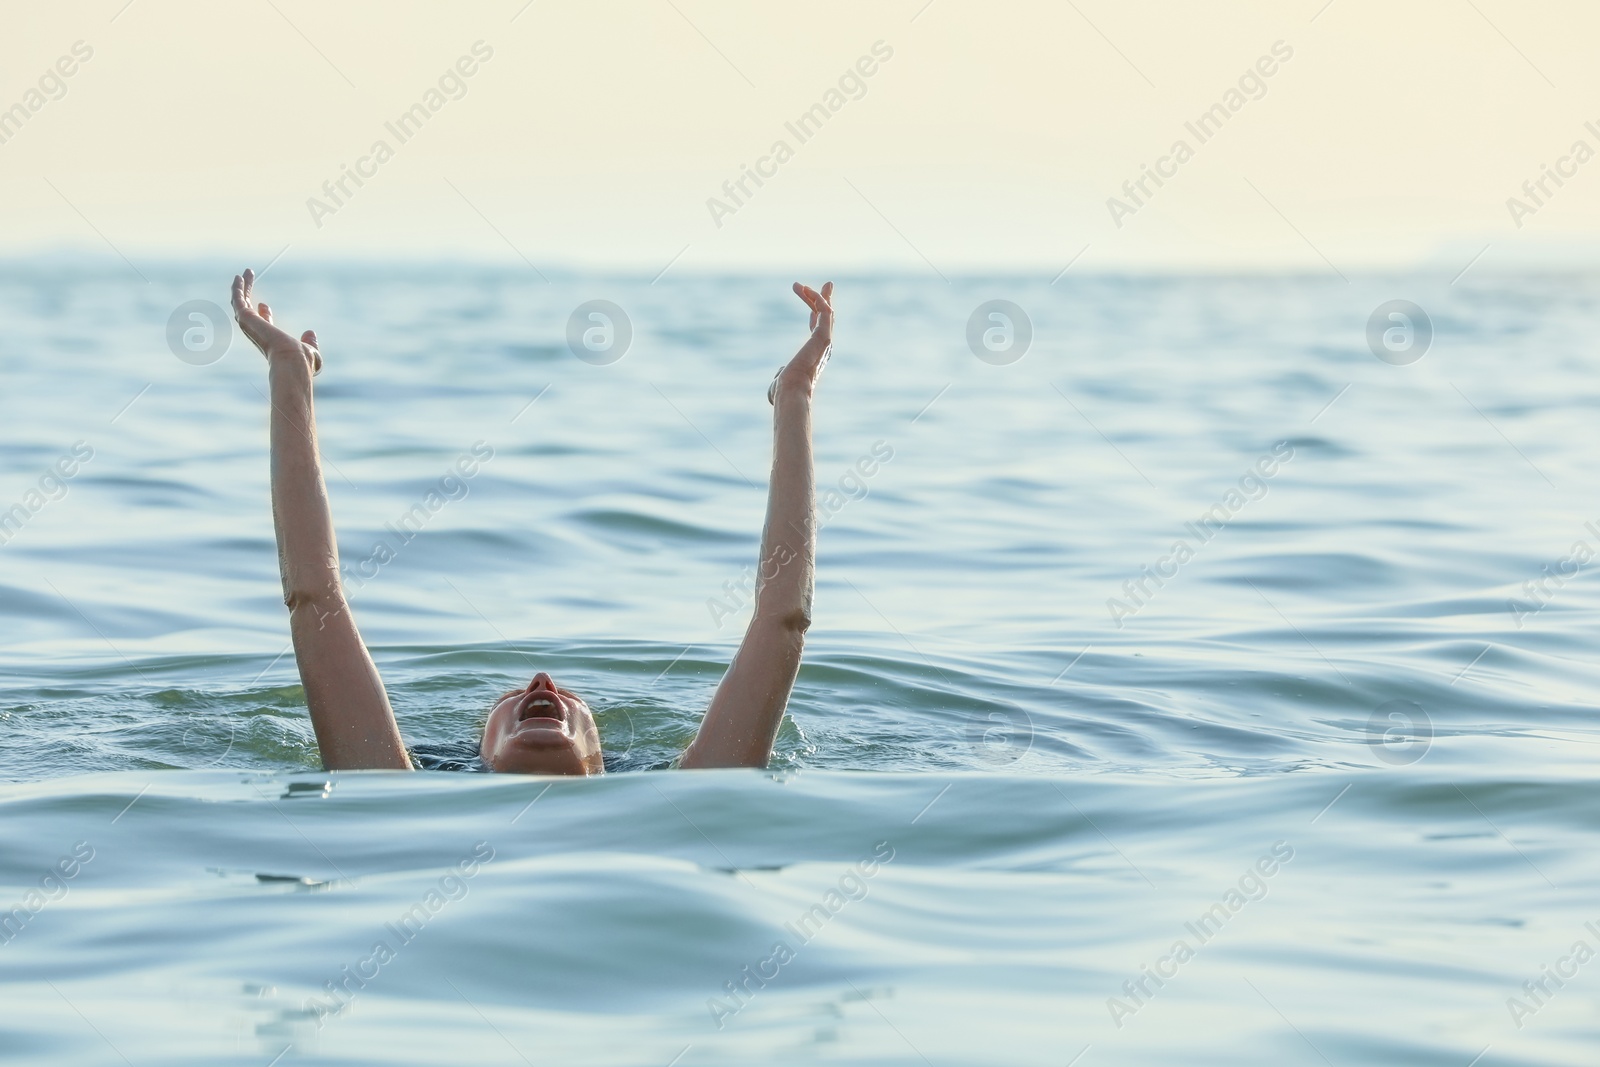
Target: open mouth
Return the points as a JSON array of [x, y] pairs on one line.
[[542, 705]]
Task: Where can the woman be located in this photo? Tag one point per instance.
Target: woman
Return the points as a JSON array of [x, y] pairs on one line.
[[542, 728]]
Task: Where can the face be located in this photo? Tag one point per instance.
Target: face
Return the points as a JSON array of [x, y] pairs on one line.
[[542, 730]]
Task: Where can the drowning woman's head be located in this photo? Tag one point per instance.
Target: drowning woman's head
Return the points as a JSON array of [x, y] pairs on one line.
[[542, 729]]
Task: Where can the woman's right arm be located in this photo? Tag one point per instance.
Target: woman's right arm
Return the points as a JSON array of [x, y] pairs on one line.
[[742, 722], [349, 707]]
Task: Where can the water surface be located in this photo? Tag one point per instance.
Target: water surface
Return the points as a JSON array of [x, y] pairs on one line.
[[1070, 762]]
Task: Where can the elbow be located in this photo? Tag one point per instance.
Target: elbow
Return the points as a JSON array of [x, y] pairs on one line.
[[320, 602], [790, 626], [796, 622]]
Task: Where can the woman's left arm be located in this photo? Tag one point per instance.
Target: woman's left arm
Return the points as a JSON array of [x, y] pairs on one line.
[[349, 707]]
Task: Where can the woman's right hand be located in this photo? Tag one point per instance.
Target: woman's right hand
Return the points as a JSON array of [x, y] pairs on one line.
[[255, 322], [799, 375]]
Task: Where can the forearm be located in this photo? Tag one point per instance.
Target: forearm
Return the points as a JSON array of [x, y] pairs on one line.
[[308, 557], [786, 576]]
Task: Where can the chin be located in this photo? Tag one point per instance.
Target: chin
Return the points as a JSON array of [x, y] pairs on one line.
[[538, 759]]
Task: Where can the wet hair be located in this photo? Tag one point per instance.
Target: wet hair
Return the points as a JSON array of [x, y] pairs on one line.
[[458, 755], [463, 756], [449, 756]]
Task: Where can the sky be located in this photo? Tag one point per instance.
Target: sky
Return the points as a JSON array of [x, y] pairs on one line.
[[947, 136]]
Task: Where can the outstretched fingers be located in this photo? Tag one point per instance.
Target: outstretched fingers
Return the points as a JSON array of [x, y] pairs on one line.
[[245, 311], [814, 300], [804, 293], [245, 314], [255, 322], [243, 292], [821, 304], [808, 361]]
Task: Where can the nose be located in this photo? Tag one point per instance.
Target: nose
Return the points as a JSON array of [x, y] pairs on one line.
[[542, 681]]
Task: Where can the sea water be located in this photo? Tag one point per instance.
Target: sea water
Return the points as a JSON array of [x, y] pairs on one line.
[[1316, 787]]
